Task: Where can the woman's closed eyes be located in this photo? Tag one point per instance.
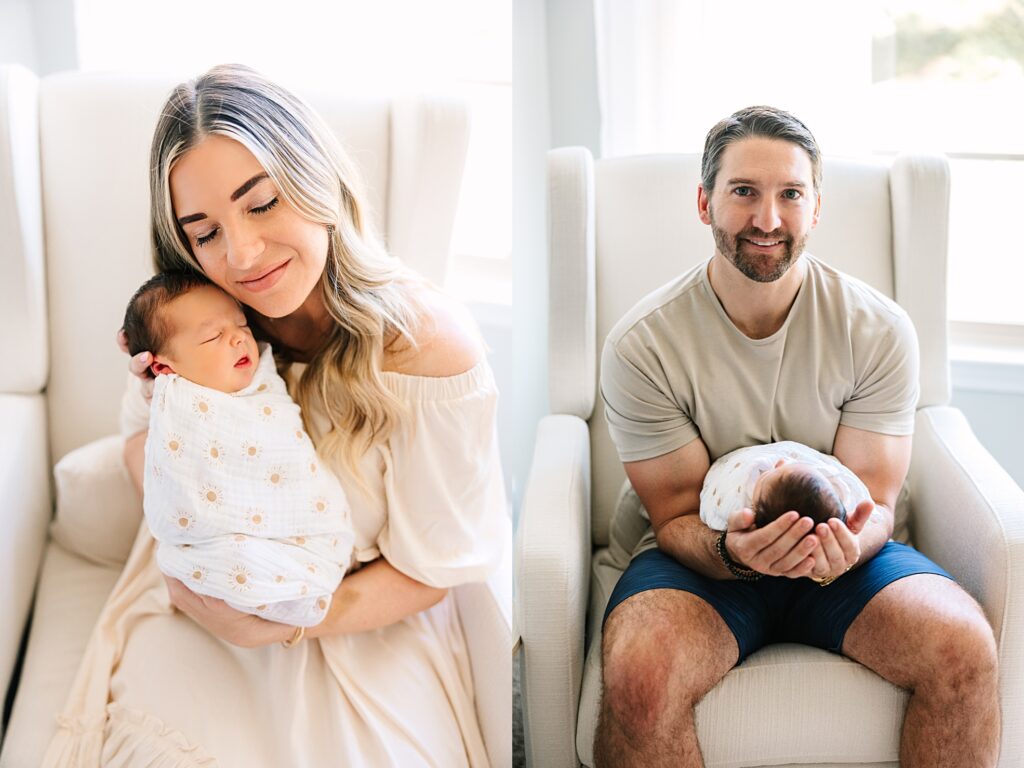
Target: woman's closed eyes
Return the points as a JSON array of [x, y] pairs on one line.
[[202, 240]]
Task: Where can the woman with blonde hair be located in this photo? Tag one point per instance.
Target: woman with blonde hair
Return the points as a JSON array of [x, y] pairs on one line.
[[251, 189]]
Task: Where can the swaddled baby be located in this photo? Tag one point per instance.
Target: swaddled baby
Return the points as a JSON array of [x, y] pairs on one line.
[[775, 478], [234, 493]]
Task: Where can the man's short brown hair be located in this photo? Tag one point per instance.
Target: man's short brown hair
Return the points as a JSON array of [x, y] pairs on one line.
[[765, 122]]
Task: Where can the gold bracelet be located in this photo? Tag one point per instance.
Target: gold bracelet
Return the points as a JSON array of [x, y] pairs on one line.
[[299, 632]]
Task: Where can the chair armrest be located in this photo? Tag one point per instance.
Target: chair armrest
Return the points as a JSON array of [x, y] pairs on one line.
[[23, 318], [485, 611], [25, 491], [553, 550], [968, 516]]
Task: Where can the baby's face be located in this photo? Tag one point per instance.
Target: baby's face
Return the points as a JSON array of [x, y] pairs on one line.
[[210, 342]]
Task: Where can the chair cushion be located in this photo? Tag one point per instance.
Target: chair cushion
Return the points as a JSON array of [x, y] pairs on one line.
[[71, 594], [98, 508], [779, 706]]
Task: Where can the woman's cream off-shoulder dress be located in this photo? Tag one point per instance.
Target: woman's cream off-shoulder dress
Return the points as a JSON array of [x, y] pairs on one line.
[[156, 690]]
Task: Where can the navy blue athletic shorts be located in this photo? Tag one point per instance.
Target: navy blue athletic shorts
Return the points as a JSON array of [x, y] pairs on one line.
[[776, 609]]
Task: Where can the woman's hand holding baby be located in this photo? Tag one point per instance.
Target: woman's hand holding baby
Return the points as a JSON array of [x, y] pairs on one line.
[[138, 365], [223, 621]]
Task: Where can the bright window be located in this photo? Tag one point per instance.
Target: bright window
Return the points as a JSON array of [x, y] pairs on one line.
[[951, 76], [876, 77]]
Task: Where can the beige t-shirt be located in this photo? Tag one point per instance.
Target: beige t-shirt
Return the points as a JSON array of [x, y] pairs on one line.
[[676, 367]]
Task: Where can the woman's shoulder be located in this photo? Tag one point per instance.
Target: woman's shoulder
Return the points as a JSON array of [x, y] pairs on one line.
[[447, 340]]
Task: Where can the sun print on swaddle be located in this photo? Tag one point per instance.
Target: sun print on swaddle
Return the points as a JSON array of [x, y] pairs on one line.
[[256, 519], [251, 450], [183, 520], [211, 494], [199, 574], [266, 411], [174, 445], [240, 578], [203, 408], [276, 477], [214, 453]]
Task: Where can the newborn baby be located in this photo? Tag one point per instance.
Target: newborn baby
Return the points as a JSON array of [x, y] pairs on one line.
[[775, 478], [235, 495]]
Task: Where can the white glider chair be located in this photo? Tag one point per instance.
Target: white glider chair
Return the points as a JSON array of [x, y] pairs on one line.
[[74, 244], [618, 229]]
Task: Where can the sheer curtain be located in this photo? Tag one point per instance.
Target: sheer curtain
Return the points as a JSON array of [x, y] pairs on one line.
[[669, 70]]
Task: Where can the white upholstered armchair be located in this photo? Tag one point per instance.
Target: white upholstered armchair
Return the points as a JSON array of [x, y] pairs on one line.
[[74, 244], [619, 228]]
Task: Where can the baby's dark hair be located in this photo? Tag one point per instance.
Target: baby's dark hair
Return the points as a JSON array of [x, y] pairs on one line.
[[146, 330], [808, 493]]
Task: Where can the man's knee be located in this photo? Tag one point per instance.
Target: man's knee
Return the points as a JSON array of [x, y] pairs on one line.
[[662, 650], [959, 655]]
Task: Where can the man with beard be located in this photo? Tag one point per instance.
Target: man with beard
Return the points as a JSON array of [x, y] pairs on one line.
[[763, 343]]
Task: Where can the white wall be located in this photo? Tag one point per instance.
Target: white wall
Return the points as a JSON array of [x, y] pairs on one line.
[[572, 75], [531, 139], [17, 45], [39, 34]]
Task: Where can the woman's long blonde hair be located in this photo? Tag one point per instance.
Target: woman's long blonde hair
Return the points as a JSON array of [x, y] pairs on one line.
[[369, 295]]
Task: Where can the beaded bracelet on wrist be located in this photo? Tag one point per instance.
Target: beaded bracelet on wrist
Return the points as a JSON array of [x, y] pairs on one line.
[[737, 570]]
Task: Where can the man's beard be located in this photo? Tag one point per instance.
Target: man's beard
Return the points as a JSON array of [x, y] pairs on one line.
[[760, 267]]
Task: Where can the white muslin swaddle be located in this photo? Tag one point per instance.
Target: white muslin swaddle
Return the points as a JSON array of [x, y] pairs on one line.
[[238, 501], [729, 483]]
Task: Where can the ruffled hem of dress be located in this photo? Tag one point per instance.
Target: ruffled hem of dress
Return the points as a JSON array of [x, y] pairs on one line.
[[120, 738]]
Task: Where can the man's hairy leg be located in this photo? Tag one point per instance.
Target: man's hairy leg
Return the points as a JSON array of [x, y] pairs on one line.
[[925, 634], [662, 650]]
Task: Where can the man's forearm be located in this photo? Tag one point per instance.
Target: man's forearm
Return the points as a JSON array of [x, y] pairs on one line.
[[692, 543], [876, 533]]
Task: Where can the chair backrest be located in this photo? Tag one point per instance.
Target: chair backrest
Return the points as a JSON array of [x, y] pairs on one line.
[[620, 228], [94, 132]]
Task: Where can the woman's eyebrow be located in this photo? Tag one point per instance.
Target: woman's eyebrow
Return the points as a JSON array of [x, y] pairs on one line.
[[234, 196], [248, 185]]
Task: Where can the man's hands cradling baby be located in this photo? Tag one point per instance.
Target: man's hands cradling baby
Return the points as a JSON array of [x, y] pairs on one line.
[[839, 543], [793, 547]]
